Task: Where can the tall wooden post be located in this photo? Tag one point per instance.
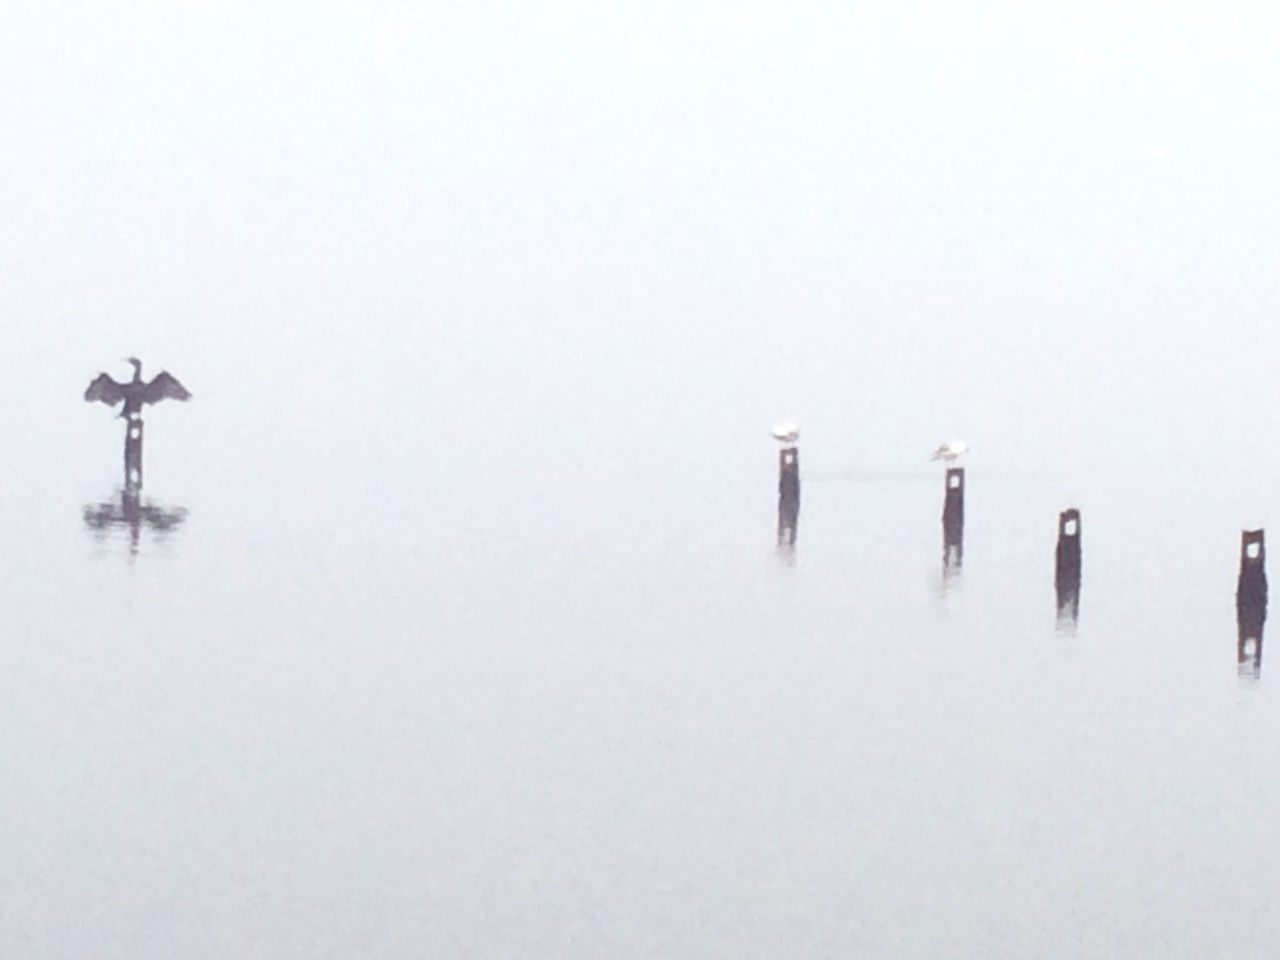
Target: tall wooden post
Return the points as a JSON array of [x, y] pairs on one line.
[[788, 495], [953, 520], [133, 454], [1251, 602], [1066, 573]]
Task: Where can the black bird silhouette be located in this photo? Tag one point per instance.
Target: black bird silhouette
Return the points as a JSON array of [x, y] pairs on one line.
[[163, 386]]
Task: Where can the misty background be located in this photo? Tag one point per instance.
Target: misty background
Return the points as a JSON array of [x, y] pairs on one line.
[[474, 642]]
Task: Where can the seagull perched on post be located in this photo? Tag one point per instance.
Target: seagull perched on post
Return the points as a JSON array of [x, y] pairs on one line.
[[950, 451], [787, 434], [163, 386]]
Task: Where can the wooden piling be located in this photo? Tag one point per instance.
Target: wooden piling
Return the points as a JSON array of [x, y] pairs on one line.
[[1066, 574], [133, 454], [1251, 601], [788, 495], [953, 519]]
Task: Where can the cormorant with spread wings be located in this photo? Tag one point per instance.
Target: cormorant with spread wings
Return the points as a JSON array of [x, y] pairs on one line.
[[163, 386]]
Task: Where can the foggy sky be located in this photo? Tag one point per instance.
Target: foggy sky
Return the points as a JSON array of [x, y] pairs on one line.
[[480, 303], [579, 221]]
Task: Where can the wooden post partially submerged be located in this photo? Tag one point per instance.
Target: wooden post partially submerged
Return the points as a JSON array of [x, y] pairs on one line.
[[788, 495], [1066, 573], [133, 394], [1251, 602], [788, 435], [953, 521]]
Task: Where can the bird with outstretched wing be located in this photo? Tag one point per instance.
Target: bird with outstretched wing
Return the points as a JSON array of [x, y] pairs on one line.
[[164, 386], [136, 392], [105, 389]]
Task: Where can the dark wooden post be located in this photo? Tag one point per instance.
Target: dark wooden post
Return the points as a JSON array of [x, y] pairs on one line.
[[788, 494], [953, 520], [1066, 574], [1251, 602], [133, 454]]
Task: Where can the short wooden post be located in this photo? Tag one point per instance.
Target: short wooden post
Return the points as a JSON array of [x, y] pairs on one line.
[[953, 520], [1251, 601], [788, 494], [1066, 574]]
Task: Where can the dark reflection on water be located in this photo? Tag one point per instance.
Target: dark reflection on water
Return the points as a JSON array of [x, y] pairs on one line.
[[788, 523], [1249, 654], [131, 513], [1251, 603]]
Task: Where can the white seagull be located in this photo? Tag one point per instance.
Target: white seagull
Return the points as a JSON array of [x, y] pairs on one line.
[[787, 434], [950, 451]]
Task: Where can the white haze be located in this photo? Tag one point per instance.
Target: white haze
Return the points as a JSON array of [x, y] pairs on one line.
[[488, 310]]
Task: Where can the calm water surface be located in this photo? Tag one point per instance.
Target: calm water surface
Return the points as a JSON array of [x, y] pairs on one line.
[[586, 710]]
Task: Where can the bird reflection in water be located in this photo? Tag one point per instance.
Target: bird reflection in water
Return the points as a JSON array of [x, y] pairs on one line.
[[1251, 604], [131, 513]]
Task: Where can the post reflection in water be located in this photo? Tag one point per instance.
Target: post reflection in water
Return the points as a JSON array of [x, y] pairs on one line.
[[131, 513], [1251, 603], [953, 524], [1066, 574]]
